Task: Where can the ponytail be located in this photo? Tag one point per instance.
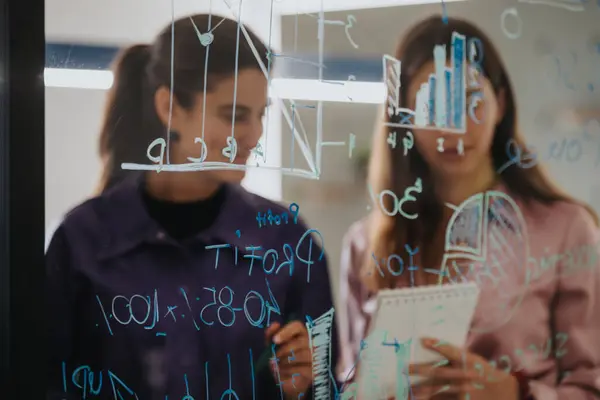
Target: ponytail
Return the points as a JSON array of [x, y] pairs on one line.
[[126, 128], [131, 122]]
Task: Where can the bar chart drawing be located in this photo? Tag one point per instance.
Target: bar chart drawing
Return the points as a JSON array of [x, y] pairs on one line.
[[392, 70], [440, 103], [319, 332]]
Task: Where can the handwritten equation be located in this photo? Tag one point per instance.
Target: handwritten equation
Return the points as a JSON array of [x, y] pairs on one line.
[[89, 383], [441, 103], [580, 258], [567, 150], [554, 345], [146, 310]]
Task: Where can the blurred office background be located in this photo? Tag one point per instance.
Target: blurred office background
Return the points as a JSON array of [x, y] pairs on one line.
[[555, 100]]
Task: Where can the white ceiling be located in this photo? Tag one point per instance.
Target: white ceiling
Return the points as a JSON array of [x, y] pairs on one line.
[[290, 7], [118, 22]]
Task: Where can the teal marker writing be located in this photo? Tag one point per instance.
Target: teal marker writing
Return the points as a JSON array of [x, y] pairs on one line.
[[263, 360]]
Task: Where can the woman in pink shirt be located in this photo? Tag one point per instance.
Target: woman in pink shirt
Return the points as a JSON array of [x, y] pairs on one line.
[[536, 329]]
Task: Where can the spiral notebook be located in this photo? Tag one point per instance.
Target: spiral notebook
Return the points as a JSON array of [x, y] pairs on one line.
[[402, 318]]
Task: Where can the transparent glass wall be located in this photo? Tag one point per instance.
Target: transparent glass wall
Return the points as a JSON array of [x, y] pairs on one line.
[[464, 162]]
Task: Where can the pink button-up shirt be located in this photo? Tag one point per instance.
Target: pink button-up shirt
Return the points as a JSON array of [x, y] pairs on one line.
[[539, 315]]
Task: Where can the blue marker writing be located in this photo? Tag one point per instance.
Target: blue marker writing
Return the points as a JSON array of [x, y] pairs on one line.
[[444, 13], [278, 219]]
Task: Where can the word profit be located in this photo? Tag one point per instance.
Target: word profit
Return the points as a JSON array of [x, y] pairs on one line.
[[278, 219], [303, 252]]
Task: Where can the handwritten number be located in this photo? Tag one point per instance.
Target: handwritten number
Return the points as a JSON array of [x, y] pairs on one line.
[[515, 156], [213, 303], [231, 150], [351, 19], [222, 305], [473, 76], [409, 197], [274, 307], [397, 204], [475, 72], [513, 153], [104, 315], [392, 139], [128, 305], [474, 100], [255, 295], [475, 59], [203, 152], [561, 338], [377, 265], [226, 306], [408, 142]]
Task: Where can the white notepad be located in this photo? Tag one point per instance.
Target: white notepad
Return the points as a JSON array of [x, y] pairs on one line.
[[406, 315]]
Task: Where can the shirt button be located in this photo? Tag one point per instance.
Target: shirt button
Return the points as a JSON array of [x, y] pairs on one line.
[[160, 235]]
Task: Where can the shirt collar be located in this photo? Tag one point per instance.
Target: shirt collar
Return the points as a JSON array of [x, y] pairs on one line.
[[129, 224]]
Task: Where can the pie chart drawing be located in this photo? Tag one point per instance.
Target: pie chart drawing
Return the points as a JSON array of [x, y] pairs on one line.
[[486, 241]]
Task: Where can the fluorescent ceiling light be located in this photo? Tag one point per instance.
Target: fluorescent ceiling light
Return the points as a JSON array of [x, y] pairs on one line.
[[297, 89], [335, 91], [78, 78], [292, 7]]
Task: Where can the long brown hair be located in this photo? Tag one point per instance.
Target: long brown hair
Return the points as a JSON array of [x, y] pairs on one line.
[[130, 121], [390, 169]]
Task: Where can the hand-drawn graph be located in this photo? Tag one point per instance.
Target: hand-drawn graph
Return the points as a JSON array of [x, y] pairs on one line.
[[487, 241], [370, 381], [320, 343], [441, 100], [378, 355]]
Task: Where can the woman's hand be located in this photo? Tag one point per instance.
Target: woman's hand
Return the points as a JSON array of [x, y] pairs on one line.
[[293, 366], [461, 373]]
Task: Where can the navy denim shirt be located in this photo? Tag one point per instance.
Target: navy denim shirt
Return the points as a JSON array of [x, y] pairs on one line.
[[134, 314]]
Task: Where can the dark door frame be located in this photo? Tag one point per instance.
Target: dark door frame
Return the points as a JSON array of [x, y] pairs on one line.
[[22, 200]]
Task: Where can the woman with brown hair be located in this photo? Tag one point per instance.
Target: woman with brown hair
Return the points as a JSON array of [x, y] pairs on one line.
[[164, 285], [535, 296]]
